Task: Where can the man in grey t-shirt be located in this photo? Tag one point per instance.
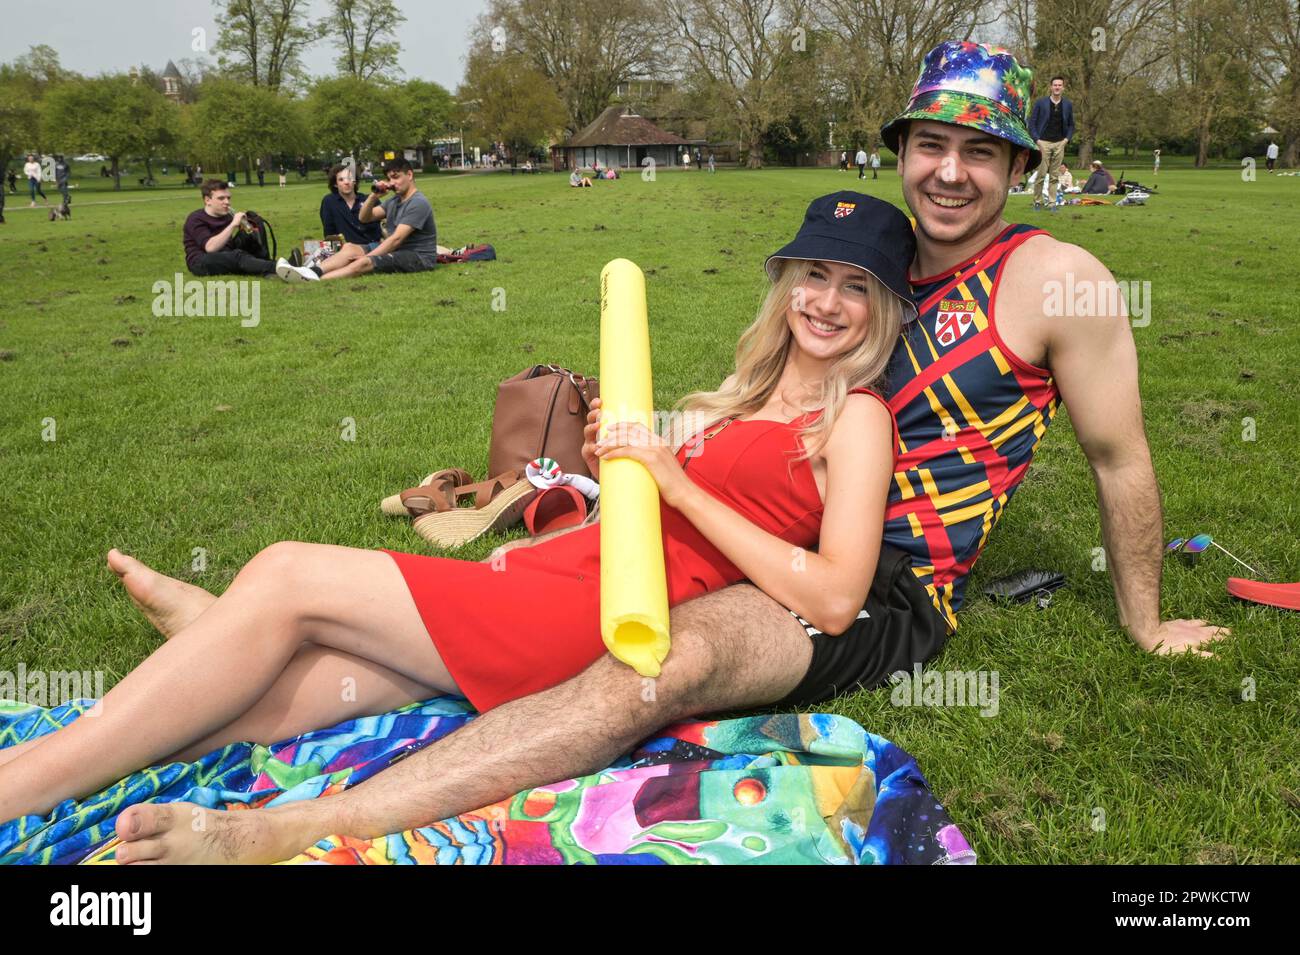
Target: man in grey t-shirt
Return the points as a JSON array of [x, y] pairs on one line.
[[411, 244]]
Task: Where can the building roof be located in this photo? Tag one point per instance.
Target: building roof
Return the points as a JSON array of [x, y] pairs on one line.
[[171, 70], [618, 126]]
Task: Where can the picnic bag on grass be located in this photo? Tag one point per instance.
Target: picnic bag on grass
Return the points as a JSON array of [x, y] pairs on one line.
[[540, 413]]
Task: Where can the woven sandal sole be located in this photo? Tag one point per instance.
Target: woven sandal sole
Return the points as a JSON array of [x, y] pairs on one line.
[[459, 527]]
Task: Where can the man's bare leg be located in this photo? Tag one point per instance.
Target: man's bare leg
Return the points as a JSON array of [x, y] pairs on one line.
[[732, 649], [343, 257], [359, 266]]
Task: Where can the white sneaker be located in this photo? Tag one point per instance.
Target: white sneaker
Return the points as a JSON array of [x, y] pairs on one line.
[[293, 273], [282, 268]]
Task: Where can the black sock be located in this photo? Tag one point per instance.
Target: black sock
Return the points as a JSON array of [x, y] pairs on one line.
[[316, 269]]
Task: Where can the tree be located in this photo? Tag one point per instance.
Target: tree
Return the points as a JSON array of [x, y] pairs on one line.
[[1275, 32], [111, 114], [733, 50], [878, 54], [40, 64], [429, 110], [365, 33], [233, 122], [358, 116], [19, 122], [262, 40], [586, 48], [508, 100], [1098, 46], [1212, 70]]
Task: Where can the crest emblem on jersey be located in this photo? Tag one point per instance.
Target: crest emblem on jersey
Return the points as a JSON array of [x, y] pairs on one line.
[[954, 319], [843, 209]]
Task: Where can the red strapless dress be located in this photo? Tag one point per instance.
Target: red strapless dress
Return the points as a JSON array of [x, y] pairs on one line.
[[535, 622]]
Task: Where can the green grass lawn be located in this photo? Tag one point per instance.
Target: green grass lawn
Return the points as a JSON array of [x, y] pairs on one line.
[[178, 433]]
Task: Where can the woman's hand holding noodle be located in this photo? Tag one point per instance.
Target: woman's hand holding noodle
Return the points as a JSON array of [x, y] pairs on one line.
[[589, 437], [627, 439]]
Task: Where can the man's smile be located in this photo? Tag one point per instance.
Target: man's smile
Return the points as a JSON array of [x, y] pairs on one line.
[[949, 202]]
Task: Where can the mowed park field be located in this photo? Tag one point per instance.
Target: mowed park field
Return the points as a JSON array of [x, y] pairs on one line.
[[179, 432]]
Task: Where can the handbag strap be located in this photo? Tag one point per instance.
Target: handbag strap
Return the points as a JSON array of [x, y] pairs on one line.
[[579, 397]]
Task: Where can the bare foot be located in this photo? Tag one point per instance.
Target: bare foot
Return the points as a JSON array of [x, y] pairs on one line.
[[170, 605], [180, 833]]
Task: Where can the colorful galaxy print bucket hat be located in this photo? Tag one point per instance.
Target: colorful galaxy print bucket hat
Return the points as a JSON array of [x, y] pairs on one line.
[[970, 84]]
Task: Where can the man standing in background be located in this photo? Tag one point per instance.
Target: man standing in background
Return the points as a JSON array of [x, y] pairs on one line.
[[1051, 123], [1270, 157], [860, 160], [61, 173]]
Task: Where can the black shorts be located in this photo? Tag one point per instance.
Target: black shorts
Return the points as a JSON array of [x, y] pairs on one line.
[[899, 626], [404, 260]]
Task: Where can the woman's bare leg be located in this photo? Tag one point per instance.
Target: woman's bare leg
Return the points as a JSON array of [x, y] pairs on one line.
[[10, 753], [319, 688], [222, 664], [169, 604]]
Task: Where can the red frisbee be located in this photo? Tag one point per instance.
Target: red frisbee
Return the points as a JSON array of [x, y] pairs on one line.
[[1286, 596]]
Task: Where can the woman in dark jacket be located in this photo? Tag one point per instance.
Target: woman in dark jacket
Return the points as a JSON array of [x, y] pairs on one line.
[[339, 208]]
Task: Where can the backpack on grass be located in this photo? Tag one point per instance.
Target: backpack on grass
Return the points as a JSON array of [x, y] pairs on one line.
[[469, 253], [259, 240]]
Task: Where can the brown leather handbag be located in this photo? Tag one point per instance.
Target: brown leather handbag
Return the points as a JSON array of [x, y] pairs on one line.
[[540, 413]]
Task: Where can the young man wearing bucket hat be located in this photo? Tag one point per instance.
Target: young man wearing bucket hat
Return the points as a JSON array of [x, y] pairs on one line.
[[975, 381]]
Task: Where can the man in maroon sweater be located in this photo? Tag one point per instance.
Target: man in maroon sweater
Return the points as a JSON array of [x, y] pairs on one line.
[[207, 236]]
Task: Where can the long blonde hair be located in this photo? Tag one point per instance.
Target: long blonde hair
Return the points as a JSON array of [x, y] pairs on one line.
[[764, 347]]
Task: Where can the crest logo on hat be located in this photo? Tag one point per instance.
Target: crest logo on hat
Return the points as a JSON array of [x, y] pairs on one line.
[[953, 320], [843, 209]]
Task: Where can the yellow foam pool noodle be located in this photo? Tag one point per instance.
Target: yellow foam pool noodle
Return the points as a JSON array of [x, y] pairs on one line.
[[633, 584]]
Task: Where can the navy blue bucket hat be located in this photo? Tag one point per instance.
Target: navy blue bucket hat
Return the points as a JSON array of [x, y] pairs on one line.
[[856, 229]]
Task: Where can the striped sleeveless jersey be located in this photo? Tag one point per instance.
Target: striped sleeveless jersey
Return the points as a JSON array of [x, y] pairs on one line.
[[970, 415]]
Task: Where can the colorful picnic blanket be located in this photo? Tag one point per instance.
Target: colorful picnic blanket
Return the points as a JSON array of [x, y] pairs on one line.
[[790, 788]]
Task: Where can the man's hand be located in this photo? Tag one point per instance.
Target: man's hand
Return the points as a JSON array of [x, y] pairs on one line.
[[1181, 636], [237, 219]]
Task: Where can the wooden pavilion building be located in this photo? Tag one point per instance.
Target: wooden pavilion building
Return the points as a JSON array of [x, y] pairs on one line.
[[618, 138]]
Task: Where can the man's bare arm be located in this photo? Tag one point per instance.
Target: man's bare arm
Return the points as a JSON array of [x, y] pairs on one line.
[[1094, 361]]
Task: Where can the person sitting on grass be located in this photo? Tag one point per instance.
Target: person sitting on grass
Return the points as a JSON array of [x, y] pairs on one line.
[[1100, 182], [578, 180], [1067, 179], [339, 211], [208, 235], [412, 243]]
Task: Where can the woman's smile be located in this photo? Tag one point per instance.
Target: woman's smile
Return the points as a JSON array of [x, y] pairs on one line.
[[822, 328]]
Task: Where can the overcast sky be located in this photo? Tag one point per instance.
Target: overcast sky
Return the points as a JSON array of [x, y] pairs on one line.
[[96, 36]]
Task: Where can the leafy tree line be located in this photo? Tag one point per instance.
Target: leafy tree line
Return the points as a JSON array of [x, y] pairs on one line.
[[786, 76], [254, 102], [778, 77]]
